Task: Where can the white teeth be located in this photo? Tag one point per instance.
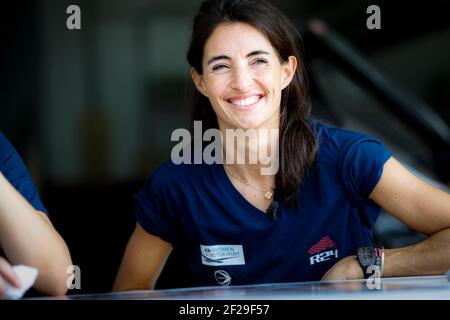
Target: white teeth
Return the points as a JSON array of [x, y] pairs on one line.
[[245, 102]]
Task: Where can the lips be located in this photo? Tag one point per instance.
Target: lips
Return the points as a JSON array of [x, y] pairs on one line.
[[244, 102]]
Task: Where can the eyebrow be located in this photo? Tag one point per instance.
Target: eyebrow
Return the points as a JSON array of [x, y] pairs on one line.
[[221, 57]]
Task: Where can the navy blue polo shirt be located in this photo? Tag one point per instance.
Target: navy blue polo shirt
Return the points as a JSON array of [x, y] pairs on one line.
[[231, 242], [15, 171]]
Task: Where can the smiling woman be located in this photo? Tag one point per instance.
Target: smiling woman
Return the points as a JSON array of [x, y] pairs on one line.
[[264, 62], [308, 220], [243, 81]]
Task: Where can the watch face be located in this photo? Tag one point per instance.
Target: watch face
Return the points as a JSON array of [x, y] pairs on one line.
[[366, 256]]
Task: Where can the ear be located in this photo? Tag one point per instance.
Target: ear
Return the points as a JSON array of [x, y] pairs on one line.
[[198, 81], [288, 71]]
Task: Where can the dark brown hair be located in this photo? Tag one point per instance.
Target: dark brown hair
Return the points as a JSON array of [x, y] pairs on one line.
[[298, 145]]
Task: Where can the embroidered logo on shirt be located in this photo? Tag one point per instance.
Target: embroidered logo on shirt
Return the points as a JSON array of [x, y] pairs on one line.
[[325, 243], [222, 255], [222, 277]]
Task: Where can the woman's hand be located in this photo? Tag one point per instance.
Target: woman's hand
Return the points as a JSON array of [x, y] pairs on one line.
[[7, 275], [347, 268]]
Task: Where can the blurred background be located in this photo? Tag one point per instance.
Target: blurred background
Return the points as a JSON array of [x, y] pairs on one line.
[[91, 111]]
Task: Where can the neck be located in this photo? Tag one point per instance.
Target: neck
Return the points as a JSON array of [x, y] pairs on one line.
[[252, 154]]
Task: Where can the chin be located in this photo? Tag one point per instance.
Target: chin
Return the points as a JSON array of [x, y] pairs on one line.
[[249, 124]]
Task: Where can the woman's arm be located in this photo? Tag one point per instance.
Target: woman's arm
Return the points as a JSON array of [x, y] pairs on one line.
[[422, 207], [425, 209], [143, 261], [28, 237]]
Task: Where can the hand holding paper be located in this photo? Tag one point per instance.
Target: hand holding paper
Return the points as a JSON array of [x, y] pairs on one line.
[[16, 280]]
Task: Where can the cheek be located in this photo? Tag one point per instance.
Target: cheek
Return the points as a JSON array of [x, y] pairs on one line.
[[216, 92], [216, 88], [270, 84], [270, 79]]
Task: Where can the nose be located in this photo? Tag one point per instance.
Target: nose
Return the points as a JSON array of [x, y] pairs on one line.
[[241, 78]]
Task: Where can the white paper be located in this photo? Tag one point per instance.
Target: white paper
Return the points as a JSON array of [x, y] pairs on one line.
[[27, 276]]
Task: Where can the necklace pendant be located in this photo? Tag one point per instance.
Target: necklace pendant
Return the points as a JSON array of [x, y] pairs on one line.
[[268, 195]]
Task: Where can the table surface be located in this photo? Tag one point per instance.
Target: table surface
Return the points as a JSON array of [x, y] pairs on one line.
[[399, 288]]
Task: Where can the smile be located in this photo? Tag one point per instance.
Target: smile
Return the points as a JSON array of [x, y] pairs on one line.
[[245, 103]]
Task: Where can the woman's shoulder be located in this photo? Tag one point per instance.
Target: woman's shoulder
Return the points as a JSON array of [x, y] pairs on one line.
[[170, 174], [331, 135], [5, 145], [9, 158]]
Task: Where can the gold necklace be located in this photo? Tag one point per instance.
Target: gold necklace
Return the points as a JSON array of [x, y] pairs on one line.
[[268, 194]]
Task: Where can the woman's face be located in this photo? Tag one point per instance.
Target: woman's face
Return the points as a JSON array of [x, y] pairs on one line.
[[243, 77]]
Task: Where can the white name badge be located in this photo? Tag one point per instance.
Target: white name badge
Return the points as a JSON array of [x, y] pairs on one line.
[[222, 255]]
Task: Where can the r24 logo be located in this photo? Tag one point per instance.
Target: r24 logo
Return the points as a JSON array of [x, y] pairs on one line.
[[324, 256]]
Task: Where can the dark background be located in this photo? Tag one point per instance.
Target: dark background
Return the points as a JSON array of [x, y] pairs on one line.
[[91, 111]]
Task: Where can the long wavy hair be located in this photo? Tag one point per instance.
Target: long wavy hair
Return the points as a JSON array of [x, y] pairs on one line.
[[298, 146]]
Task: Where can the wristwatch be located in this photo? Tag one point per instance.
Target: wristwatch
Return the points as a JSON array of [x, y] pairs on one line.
[[369, 256]]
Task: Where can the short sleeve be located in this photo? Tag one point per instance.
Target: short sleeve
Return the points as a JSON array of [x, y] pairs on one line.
[[360, 165], [15, 171], [154, 213]]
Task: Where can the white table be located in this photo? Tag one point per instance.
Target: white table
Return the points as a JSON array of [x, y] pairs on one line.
[[399, 288]]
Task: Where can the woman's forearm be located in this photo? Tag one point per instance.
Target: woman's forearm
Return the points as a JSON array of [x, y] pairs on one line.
[[428, 257], [28, 237]]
